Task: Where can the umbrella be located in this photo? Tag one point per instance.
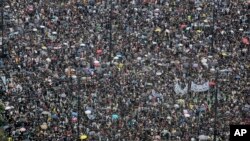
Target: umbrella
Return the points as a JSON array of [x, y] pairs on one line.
[[74, 114], [34, 29], [158, 29], [187, 115], [139, 58], [6, 127], [22, 129], [44, 47], [245, 41], [97, 63], [82, 45], [203, 137], [42, 26], [74, 119], [83, 137], [199, 8], [9, 107], [99, 51], [176, 106], [115, 116], [44, 126], [158, 73], [54, 116], [46, 113], [87, 112], [48, 60], [63, 95]]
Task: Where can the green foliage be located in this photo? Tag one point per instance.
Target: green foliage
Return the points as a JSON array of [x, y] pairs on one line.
[[1, 107], [2, 135], [1, 112]]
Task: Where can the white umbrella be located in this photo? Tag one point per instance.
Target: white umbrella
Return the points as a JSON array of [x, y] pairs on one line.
[[34, 29], [139, 58], [9, 107], [158, 73], [63, 95], [87, 112], [203, 137], [54, 33], [186, 115], [44, 126], [74, 76], [48, 60], [42, 26], [116, 58], [22, 129], [199, 8], [180, 45], [46, 113], [82, 45], [176, 106]]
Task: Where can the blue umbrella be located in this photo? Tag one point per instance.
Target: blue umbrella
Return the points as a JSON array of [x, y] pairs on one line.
[[54, 116], [115, 117], [74, 114]]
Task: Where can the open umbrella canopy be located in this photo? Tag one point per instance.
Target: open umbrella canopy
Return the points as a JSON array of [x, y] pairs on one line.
[[203, 137], [22, 129], [87, 112], [46, 113], [9, 107], [83, 137], [115, 116], [74, 114]]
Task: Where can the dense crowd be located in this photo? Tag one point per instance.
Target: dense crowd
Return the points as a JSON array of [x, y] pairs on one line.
[[107, 71]]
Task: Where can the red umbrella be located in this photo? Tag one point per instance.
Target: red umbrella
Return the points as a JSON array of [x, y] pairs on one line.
[[99, 51], [245, 40]]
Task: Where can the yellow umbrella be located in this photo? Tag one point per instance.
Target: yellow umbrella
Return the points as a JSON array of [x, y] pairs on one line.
[[83, 137], [10, 139], [224, 53], [44, 47], [198, 31], [189, 18], [158, 29]]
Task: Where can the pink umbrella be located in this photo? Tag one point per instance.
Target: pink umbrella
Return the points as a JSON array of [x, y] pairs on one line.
[[74, 119], [245, 40]]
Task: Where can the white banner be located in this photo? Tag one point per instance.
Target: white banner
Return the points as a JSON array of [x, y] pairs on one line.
[[194, 87], [200, 88], [179, 90]]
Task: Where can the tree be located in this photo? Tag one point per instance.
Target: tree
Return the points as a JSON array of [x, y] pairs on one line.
[[1, 112], [2, 135]]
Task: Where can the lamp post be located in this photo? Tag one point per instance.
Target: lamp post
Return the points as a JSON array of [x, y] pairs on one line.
[[216, 97], [110, 32], [76, 80], [2, 23], [216, 105]]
